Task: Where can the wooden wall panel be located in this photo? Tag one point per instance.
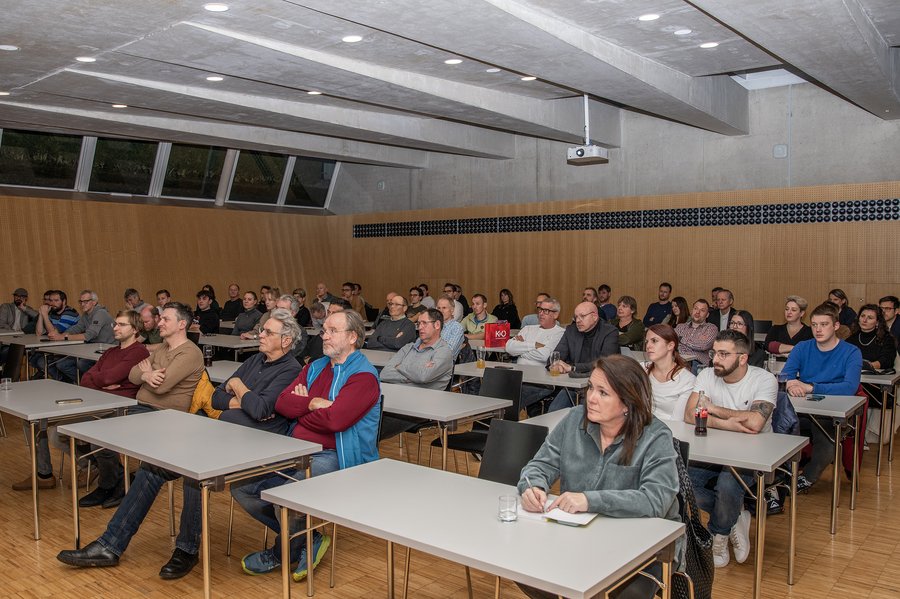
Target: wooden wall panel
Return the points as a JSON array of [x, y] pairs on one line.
[[108, 246]]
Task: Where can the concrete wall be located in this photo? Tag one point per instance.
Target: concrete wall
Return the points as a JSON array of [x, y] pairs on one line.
[[829, 141]]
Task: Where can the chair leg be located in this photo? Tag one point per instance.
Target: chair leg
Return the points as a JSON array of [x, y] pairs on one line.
[[469, 581], [171, 485], [230, 524], [2, 427], [87, 480], [333, 552], [419, 449], [456, 462], [430, 455], [265, 537], [406, 574], [62, 465], [467, 464]]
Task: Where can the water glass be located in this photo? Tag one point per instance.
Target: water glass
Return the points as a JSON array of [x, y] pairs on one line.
[[554, 358], [480, 353], [508, 508], [5, 384]]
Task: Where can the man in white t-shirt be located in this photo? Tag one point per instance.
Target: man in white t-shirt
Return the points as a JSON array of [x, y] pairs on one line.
[[741, 398], [533, 345]]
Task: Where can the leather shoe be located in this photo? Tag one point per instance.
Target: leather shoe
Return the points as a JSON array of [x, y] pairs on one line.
[[94, 555], [178, 565], [115, 497], [96, 497], [43, 483]]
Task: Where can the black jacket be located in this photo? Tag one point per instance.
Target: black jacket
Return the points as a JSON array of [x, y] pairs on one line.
[[605, 343]]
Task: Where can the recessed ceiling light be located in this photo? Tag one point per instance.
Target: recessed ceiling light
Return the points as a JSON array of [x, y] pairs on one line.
[[7, 93], [351, 39], [682, 31], [85, 59], [492, 70], [648, 17], [529, 78], [215, 78], [452, 61], [8, 48], [215, 7], [314, 93], [120, 105], [709, 45]]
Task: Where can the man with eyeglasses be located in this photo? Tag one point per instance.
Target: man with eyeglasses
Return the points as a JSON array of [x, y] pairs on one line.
[[696, 337], [451, 331], [166, 379], [889, 305], [533, 319], [738, 397], [824, 365], [452, 291], [533, 345], [583, 341], [334, 402], [396, 330], [415, 306], [427, 362], [94, 326]]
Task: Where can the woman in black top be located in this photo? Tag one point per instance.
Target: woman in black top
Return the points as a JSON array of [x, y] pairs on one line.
[[782, 338], [680, 312], [506, 309], [742, 321], [847, 316], [871, 335]]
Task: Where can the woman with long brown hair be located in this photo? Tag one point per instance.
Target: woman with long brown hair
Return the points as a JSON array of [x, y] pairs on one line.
[[670, 378]]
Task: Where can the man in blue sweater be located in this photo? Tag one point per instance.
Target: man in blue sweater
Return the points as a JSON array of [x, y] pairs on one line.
[[823, 365]]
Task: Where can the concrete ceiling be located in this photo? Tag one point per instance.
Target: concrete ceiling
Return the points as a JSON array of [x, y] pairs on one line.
[[390, 99]]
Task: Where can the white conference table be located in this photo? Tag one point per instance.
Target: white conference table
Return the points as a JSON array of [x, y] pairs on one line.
[[479, 343], [33, 342], [455, 517], [378, 357], [205, 450], [888, 383], [221, 370], [229, 342], [531, 373], [81, 351], [761, 454], [36, 402]]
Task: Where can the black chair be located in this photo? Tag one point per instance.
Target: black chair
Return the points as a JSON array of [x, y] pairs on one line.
[[12, 369], [498, 383], [762, 326], [194, 336], [510, 445]]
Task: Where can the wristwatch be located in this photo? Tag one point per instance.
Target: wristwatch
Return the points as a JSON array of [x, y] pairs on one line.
[[65, 337]]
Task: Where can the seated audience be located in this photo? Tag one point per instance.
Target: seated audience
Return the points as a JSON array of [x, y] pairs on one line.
[[93, 326], [234, 304], [889, 305], [150, 327], [206, 319], [396, 330], [427, 300], [532, 319], [782, 338], [415, 306], [427, 362], [695, 338], [589, 294], [246, 320], [607, 308], [506, 309], [289, 303], [17, 314], [133, 300], [450, 290], [473, 323], [589, 452], [724, 303], [847, 315], [356, 304], [54, 316], [212, 296], [318, 312], [658, 312], [451, 331], [163, 297], [870, 334], [670, 378], [304, 318], [742, 321], [323, 296], [533, 344], [631, 330], [824, 365], [680, 312], [738, 397], [333, 402]]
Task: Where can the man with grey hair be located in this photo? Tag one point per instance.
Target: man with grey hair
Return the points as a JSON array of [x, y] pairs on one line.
[[94, 326], [533, 345], [133, 300], [532, 319], [292, 305], [395, 330], [428, 362]]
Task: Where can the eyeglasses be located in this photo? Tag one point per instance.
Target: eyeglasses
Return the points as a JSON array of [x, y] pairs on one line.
[[584, 316], [547, 311], [421, 322], [81, 301], [333, 332], [264, 331], [396, 304], [724, 354]]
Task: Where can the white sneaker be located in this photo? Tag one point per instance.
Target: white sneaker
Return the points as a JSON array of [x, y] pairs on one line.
[[720, 551], [740, 537]]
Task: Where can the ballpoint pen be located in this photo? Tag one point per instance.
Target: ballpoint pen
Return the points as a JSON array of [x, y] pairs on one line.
[[532, 486]]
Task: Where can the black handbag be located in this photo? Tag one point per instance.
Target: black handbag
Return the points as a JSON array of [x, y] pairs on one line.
[[698, 557]]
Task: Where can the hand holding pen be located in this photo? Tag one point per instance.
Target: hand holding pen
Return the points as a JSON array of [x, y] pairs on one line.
[[534, 498]]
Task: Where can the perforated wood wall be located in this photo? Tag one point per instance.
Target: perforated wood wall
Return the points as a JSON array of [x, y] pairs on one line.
[[72, 244]]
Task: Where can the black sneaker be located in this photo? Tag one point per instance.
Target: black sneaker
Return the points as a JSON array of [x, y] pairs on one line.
[[803, 484], [774, 505]]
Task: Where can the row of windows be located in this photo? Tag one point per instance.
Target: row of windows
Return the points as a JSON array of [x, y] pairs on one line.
[[759, 214], [34, 159]]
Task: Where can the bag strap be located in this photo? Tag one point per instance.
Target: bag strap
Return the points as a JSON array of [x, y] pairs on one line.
[[691, 511]]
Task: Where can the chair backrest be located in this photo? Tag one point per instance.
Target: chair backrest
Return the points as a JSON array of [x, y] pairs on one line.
[[503, 383], [12, 369], [194, 336], [510, 445], [762, 326]]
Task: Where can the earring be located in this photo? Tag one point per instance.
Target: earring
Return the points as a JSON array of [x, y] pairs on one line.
[[625, 413]]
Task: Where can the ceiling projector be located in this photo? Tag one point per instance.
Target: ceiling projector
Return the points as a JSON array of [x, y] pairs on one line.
[[590, 154]]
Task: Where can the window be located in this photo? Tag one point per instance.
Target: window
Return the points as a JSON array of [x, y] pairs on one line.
[[309, 182], [123, 166], [38, 159], [258, 177], [193, 172]]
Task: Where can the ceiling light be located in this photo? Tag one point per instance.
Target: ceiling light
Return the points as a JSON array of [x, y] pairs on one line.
[[351, 39], [492, 70], [4, 93], [682, 31], [215, 78], [215, 7], [648, 17], [709, 45], [529, 78], [85, 59], [452, 61], [313, 93], [120, 105], [8, 48]]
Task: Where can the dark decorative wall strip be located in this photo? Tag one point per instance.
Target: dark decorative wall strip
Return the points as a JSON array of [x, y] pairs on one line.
[[762, 214]]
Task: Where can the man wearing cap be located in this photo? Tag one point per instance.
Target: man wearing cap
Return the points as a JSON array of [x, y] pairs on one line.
[[17, 314]]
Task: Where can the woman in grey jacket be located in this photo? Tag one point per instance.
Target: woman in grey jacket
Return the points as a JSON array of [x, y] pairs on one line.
[[611, 456]]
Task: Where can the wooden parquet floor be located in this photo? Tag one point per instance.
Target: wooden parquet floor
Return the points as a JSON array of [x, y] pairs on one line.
[[861, 560]]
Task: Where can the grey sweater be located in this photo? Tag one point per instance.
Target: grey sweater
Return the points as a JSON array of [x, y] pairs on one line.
[[391, 335], [429, 367], [96, 326]]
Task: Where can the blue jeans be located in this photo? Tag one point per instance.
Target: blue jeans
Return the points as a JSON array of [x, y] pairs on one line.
[[137, 502], [725, 501], [109, 468], [248, 495], [564, 399], [822, 447], [66, 369]]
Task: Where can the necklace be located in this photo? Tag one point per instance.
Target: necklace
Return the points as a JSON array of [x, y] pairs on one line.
[[860, 334]]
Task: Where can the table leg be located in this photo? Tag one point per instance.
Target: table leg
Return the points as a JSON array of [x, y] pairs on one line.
[[443, 447], [836, 484], [854, 476], [204, 538], [893, 421], [310, 586], [666, 579], [285, 551], [884, 419], [390, 570], [127, 474], [34, 478], [73, 462], [760, 532], [792, 539]]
